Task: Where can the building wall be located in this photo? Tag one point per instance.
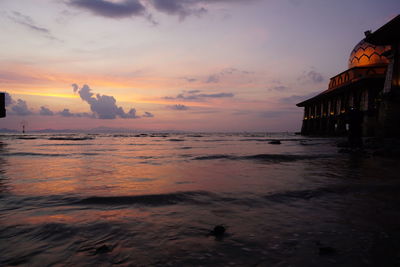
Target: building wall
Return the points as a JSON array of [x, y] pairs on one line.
[[330, 115]]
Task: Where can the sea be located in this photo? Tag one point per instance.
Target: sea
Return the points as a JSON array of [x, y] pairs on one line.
[[154, 199]]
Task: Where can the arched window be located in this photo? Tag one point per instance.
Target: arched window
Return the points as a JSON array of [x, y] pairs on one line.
[[340, 80], [346, 77]]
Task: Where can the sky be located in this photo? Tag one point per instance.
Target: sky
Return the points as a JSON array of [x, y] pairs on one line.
[[192, 65]]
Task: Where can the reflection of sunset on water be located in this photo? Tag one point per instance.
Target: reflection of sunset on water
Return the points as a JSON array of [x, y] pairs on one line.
[[156, 197], [125, 166]]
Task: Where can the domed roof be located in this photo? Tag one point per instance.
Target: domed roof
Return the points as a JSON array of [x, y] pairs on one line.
[[366, 54]]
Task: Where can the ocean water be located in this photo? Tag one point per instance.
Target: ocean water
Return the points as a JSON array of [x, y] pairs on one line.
[[152, 200]]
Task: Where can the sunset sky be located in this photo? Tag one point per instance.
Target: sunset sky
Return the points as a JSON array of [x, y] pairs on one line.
[[197, 65]]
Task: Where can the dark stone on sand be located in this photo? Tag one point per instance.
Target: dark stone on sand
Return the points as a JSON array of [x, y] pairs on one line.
[[326, 251], [103, 249], [218, 231], [274, 142]]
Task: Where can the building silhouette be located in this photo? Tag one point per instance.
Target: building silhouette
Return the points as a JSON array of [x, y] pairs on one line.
[[367, 93]]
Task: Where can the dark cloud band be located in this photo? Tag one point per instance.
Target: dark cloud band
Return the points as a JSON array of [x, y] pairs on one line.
[[127, 8]]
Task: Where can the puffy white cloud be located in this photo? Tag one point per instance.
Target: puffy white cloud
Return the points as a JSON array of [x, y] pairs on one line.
[[21, 108], [45, 111], [104, 106]]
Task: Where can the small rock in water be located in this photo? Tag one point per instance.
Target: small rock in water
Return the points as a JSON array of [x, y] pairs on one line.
[[218, 231], [103, 249], [274, 142]]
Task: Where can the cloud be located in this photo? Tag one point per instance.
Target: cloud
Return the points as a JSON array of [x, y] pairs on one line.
[[129, 8], [189, 79], [8, 99], [213, 79], [148, 115], [315, 76], [279, 88], [21, 108], [104, 106], [217, 95], [242, 112], [311, 76], [182, 8], [196, 95], [216, 77], [178, 107], [66, 113], [28, 23], [45, 111], [109, 9], [23, 77], [75, 87]]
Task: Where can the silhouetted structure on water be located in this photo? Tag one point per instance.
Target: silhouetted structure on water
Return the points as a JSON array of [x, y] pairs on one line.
[[365, 99], [2, 105]]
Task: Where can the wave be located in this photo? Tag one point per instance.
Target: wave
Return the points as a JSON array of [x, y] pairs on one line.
[[138, 144], [274, 139], [159, 135], [151, 200], [214, 140], [282, 157], [141, 135], [72, 138], [307, 194], [185, 147], [208, 198], [194, 135], [68, 144], [33, 154], [263, 157], [26, 137], [217, 156], [122, 135], [255, 139], [89, 153], [202, 197]]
